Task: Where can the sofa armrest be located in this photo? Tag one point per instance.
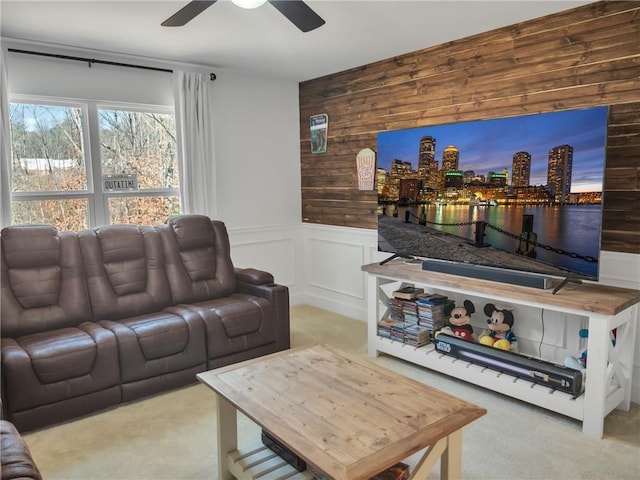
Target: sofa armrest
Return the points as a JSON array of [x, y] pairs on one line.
[[253, 276], [260, 284]]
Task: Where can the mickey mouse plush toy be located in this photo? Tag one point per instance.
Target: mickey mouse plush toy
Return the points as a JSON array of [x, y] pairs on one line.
[[459, 321], [498, 333]]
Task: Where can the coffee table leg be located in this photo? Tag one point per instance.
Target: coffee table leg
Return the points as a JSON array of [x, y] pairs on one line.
[[227, 435], [451, 461], [449, 451]]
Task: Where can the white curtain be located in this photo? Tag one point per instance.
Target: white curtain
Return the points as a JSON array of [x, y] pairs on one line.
[[5, 146], [194, 123]]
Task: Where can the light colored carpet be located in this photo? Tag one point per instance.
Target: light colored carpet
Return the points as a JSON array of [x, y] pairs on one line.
[[172, 435]]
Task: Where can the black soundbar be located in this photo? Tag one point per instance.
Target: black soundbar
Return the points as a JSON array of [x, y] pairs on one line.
[[545, 373], [487, 273]]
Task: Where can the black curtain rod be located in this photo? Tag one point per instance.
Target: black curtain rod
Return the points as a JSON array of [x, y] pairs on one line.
[[91, 61]]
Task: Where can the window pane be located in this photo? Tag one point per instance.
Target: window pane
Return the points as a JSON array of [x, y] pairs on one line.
[[69, 214], [47, 151], [143, 210], [141, 144]]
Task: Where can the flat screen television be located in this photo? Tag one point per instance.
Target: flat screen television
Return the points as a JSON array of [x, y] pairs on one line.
[[519, 193]]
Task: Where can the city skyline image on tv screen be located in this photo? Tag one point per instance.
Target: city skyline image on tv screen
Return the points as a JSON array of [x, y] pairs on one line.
[[521, 193]]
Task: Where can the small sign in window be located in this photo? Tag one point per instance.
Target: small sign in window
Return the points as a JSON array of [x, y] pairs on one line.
[[118, 183]]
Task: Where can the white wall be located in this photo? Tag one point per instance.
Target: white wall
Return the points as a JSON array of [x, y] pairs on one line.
[[258, 150], [258, 163], [34, 75]]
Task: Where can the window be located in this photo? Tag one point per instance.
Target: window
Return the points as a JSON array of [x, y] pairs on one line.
[[139, 148], [48, 162], [76, 165]]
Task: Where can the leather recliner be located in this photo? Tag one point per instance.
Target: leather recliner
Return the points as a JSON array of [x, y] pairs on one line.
[[56, 362], [129, 291], [240, 308]]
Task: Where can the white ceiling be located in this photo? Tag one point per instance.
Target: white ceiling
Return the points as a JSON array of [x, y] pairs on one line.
[[263, 41]]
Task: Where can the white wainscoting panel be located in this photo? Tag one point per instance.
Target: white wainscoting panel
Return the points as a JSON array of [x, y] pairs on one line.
[[333, 257], [326, 257], [272, 249]]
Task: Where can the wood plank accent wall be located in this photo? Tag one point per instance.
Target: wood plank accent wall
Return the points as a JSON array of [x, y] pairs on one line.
[[583, 57]]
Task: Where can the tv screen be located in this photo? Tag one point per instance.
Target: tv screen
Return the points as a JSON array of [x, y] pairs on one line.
[[522, 193]]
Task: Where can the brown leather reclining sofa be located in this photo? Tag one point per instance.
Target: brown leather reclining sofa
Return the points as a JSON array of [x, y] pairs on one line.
[[115, 313]]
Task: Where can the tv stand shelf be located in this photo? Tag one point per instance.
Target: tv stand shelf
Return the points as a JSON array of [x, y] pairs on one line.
[[609, 369]]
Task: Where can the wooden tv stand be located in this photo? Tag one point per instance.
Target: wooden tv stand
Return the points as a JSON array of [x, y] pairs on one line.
[[609, 367]]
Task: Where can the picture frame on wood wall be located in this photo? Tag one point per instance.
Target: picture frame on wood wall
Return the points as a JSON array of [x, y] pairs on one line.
[[319, 132]]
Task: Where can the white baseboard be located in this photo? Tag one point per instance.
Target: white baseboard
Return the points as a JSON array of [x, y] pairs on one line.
[[335, 306]]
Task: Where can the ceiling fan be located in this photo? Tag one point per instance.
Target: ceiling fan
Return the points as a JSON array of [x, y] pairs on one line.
[[298, 12]]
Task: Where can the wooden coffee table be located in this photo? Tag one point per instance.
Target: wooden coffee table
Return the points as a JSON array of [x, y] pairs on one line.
[[344, 415]]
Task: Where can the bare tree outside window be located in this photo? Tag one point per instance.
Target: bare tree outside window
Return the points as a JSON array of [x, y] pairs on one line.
[[50, 166], [48, 160], [70, 214], [143, 210], [47, 148], [141, 144]]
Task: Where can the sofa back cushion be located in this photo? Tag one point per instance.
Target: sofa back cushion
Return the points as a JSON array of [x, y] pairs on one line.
[[42, 281], [124, 266], [197, 258]]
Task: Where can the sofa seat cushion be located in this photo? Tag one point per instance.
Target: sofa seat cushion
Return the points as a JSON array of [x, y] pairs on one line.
[[157, 344], [160, 334], [236, 323], [17, 462], [61, 354], [45, 368], [238, 318]]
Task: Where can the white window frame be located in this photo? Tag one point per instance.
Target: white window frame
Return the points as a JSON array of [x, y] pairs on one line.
[[97, 198]]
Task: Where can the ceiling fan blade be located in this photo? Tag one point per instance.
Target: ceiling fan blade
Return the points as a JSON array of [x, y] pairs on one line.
[[187, 13], [299, 13]]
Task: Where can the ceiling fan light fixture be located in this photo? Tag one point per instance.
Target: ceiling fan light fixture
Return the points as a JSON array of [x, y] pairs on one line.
[[296, 11], [249, 3]]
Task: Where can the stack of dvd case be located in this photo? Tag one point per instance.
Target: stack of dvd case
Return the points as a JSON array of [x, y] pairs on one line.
[[431, 311], [416, 335], [405, 310], [413, 317], [388, 328]]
